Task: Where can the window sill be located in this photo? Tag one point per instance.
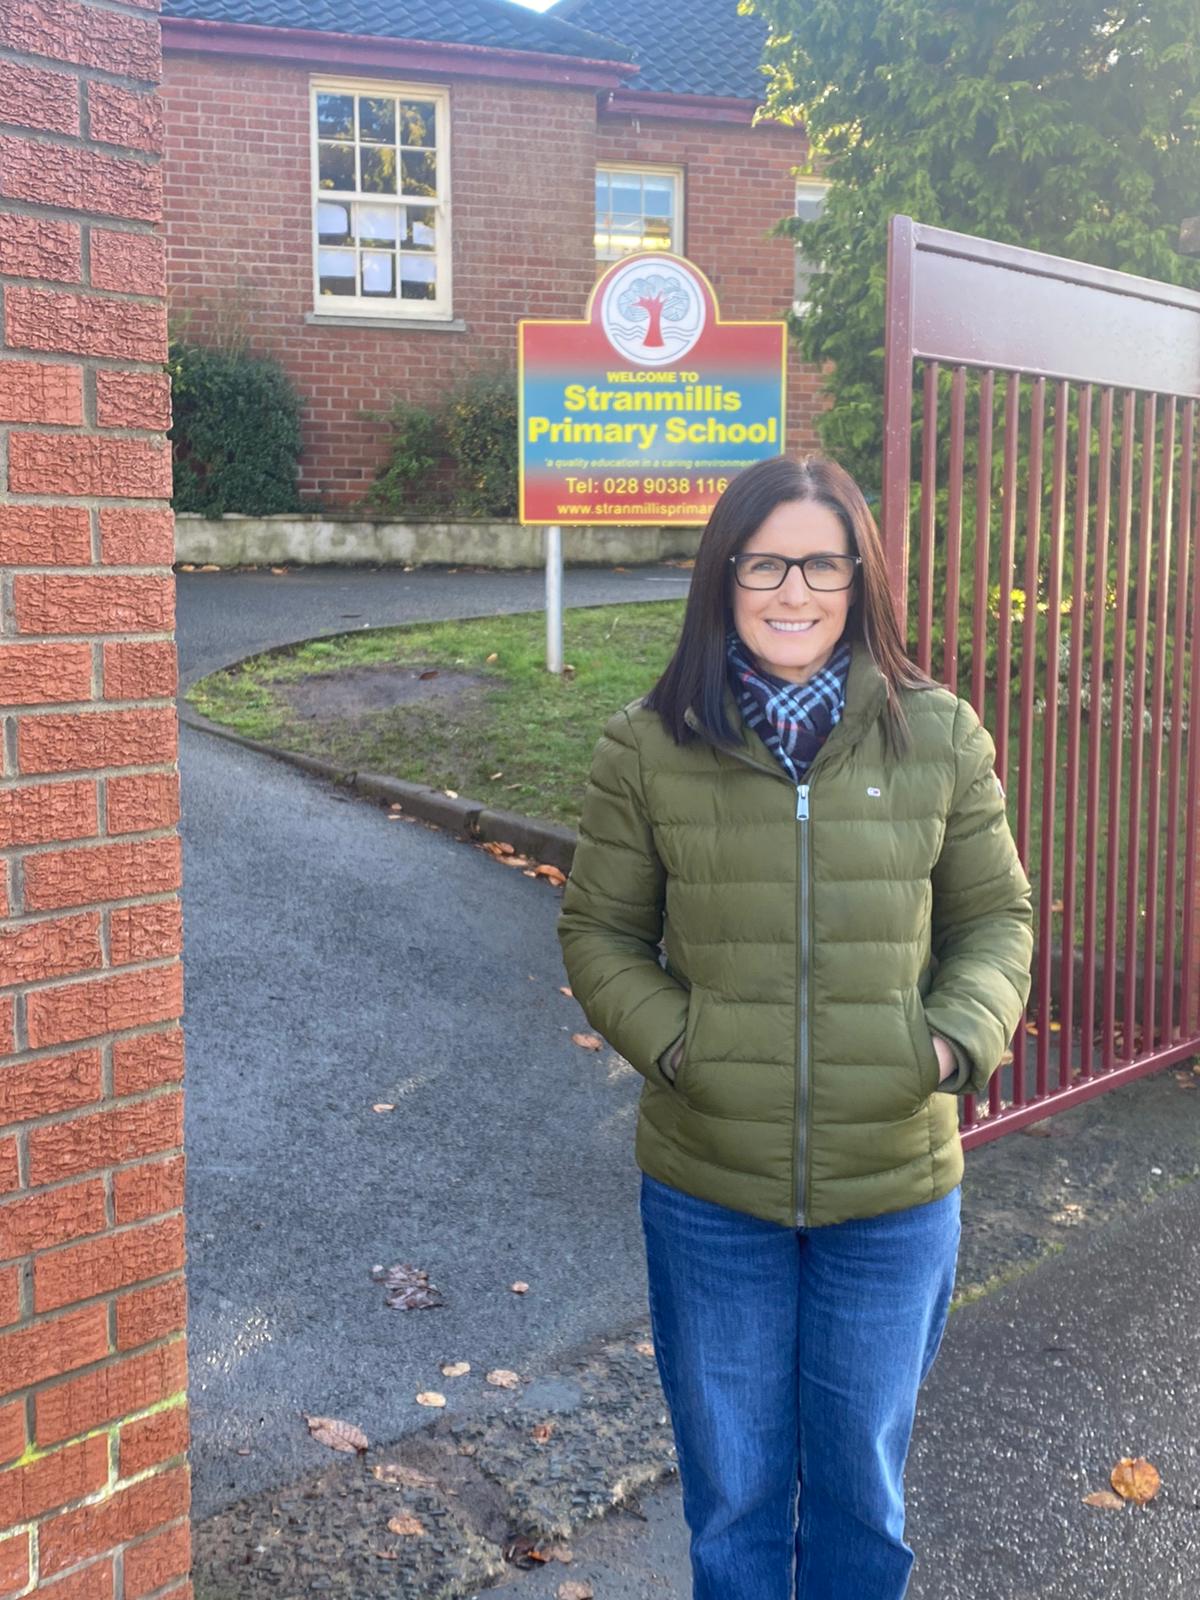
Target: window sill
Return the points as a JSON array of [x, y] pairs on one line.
[[405, 324]]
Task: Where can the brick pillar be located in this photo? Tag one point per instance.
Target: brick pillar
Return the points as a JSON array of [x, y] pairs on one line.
[[93, 1418]]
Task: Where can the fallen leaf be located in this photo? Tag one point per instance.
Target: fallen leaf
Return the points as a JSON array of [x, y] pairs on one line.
[[524, 1552], [587, 1041], [564, 989], [409, 1289], [645, 1348], [568, 670], [1105, 1498], [1057, 906], [400, 1476], [519, 1287], [186, 566], [1031, 1029], [1135, 1479], [502, 1378], [211, 566], [455, 1369], [541, 1432], [243, 1450], [386, 1555], [494, 777], [337, 1435], [1185, 1080], [430, 1397], [530, 874], [1006, 1059], [559, 1552], [383, 1105], [279, 571], [620, 569], [451, 794], [575, 1591], [432, 673], [489, 659], [406, 1527], [497, 848], [513, 861], [554, 875]]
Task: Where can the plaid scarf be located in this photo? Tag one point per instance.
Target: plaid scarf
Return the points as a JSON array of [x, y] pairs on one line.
[[793, 720]]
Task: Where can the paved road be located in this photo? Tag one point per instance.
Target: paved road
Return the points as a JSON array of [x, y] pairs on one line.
[[335, 960]]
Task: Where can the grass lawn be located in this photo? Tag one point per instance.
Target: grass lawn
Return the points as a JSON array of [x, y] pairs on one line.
[[510, 733], [519, 738]]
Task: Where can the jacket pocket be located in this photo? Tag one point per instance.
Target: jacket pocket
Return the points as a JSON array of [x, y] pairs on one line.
[[689, 1037], [929, 1070]]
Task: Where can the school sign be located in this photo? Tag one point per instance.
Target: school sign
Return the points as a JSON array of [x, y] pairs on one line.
[[643, 411]]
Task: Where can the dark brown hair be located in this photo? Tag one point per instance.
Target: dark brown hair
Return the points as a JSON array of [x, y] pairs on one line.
[[695, 676]]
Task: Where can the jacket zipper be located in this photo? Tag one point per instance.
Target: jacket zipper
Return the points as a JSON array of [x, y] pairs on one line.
[[802, 1043]]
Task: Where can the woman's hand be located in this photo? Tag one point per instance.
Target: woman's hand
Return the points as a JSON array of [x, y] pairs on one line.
[[947, 1063]]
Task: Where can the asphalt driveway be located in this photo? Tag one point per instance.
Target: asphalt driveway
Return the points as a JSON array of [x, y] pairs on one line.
[[335, 960]]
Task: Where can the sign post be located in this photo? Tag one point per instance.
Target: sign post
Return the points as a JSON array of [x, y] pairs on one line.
[[554, 585], [641, 412]]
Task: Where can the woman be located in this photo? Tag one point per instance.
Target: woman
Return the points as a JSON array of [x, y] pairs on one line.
[[813, 830]]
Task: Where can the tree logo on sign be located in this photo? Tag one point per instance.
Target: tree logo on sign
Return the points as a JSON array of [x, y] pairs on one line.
[[653, 315]]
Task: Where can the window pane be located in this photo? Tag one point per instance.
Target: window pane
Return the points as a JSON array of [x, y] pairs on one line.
[[657, 233], [602, 201], [377, 166], [658, 196], [810, 200], [335, 116], [333, 223], [337, 166], [626, 192], [418, 123], [378, 224], [419, 173], [421, 225], [626, 233], [336, 268], [377, 120], [379, 273], [418, 278]]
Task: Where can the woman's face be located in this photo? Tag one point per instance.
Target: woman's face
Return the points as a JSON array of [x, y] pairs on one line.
[[792, 631]]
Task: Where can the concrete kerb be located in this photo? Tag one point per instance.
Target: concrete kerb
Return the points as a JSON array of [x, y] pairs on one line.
[[466, 819]]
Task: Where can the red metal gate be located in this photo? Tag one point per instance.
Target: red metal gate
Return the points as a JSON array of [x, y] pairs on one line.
[[1049, 484]]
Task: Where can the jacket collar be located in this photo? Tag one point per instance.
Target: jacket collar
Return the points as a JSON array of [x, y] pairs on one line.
[[866, 696]]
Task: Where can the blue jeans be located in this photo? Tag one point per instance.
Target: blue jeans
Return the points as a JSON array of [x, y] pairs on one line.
[[791, 1359]]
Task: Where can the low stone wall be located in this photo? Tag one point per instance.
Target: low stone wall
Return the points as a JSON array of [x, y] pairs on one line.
[[233, 541]]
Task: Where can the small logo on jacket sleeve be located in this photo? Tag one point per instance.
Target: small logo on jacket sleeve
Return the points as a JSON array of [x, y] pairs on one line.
[[874, 793]]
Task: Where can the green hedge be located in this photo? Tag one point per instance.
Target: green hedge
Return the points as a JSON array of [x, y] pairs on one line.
[[235, 434]]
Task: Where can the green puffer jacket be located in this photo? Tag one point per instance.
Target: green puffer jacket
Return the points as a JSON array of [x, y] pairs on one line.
[[814, 938]]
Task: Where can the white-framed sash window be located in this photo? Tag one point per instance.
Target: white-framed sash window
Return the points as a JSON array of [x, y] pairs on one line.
[[638, 208], [381, 200], [810, 202]]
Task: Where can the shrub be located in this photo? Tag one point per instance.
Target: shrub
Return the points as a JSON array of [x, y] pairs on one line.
[[456, 457], [235, 434], [481, 427]]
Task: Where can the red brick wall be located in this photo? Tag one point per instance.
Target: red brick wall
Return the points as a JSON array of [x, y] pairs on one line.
[[93, 1416], [239, 253]]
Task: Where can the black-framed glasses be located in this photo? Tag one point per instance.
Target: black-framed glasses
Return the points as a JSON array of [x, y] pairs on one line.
[[823, 573]]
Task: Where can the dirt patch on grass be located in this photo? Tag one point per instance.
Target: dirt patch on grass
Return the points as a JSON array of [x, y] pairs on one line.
[[362, 691]]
